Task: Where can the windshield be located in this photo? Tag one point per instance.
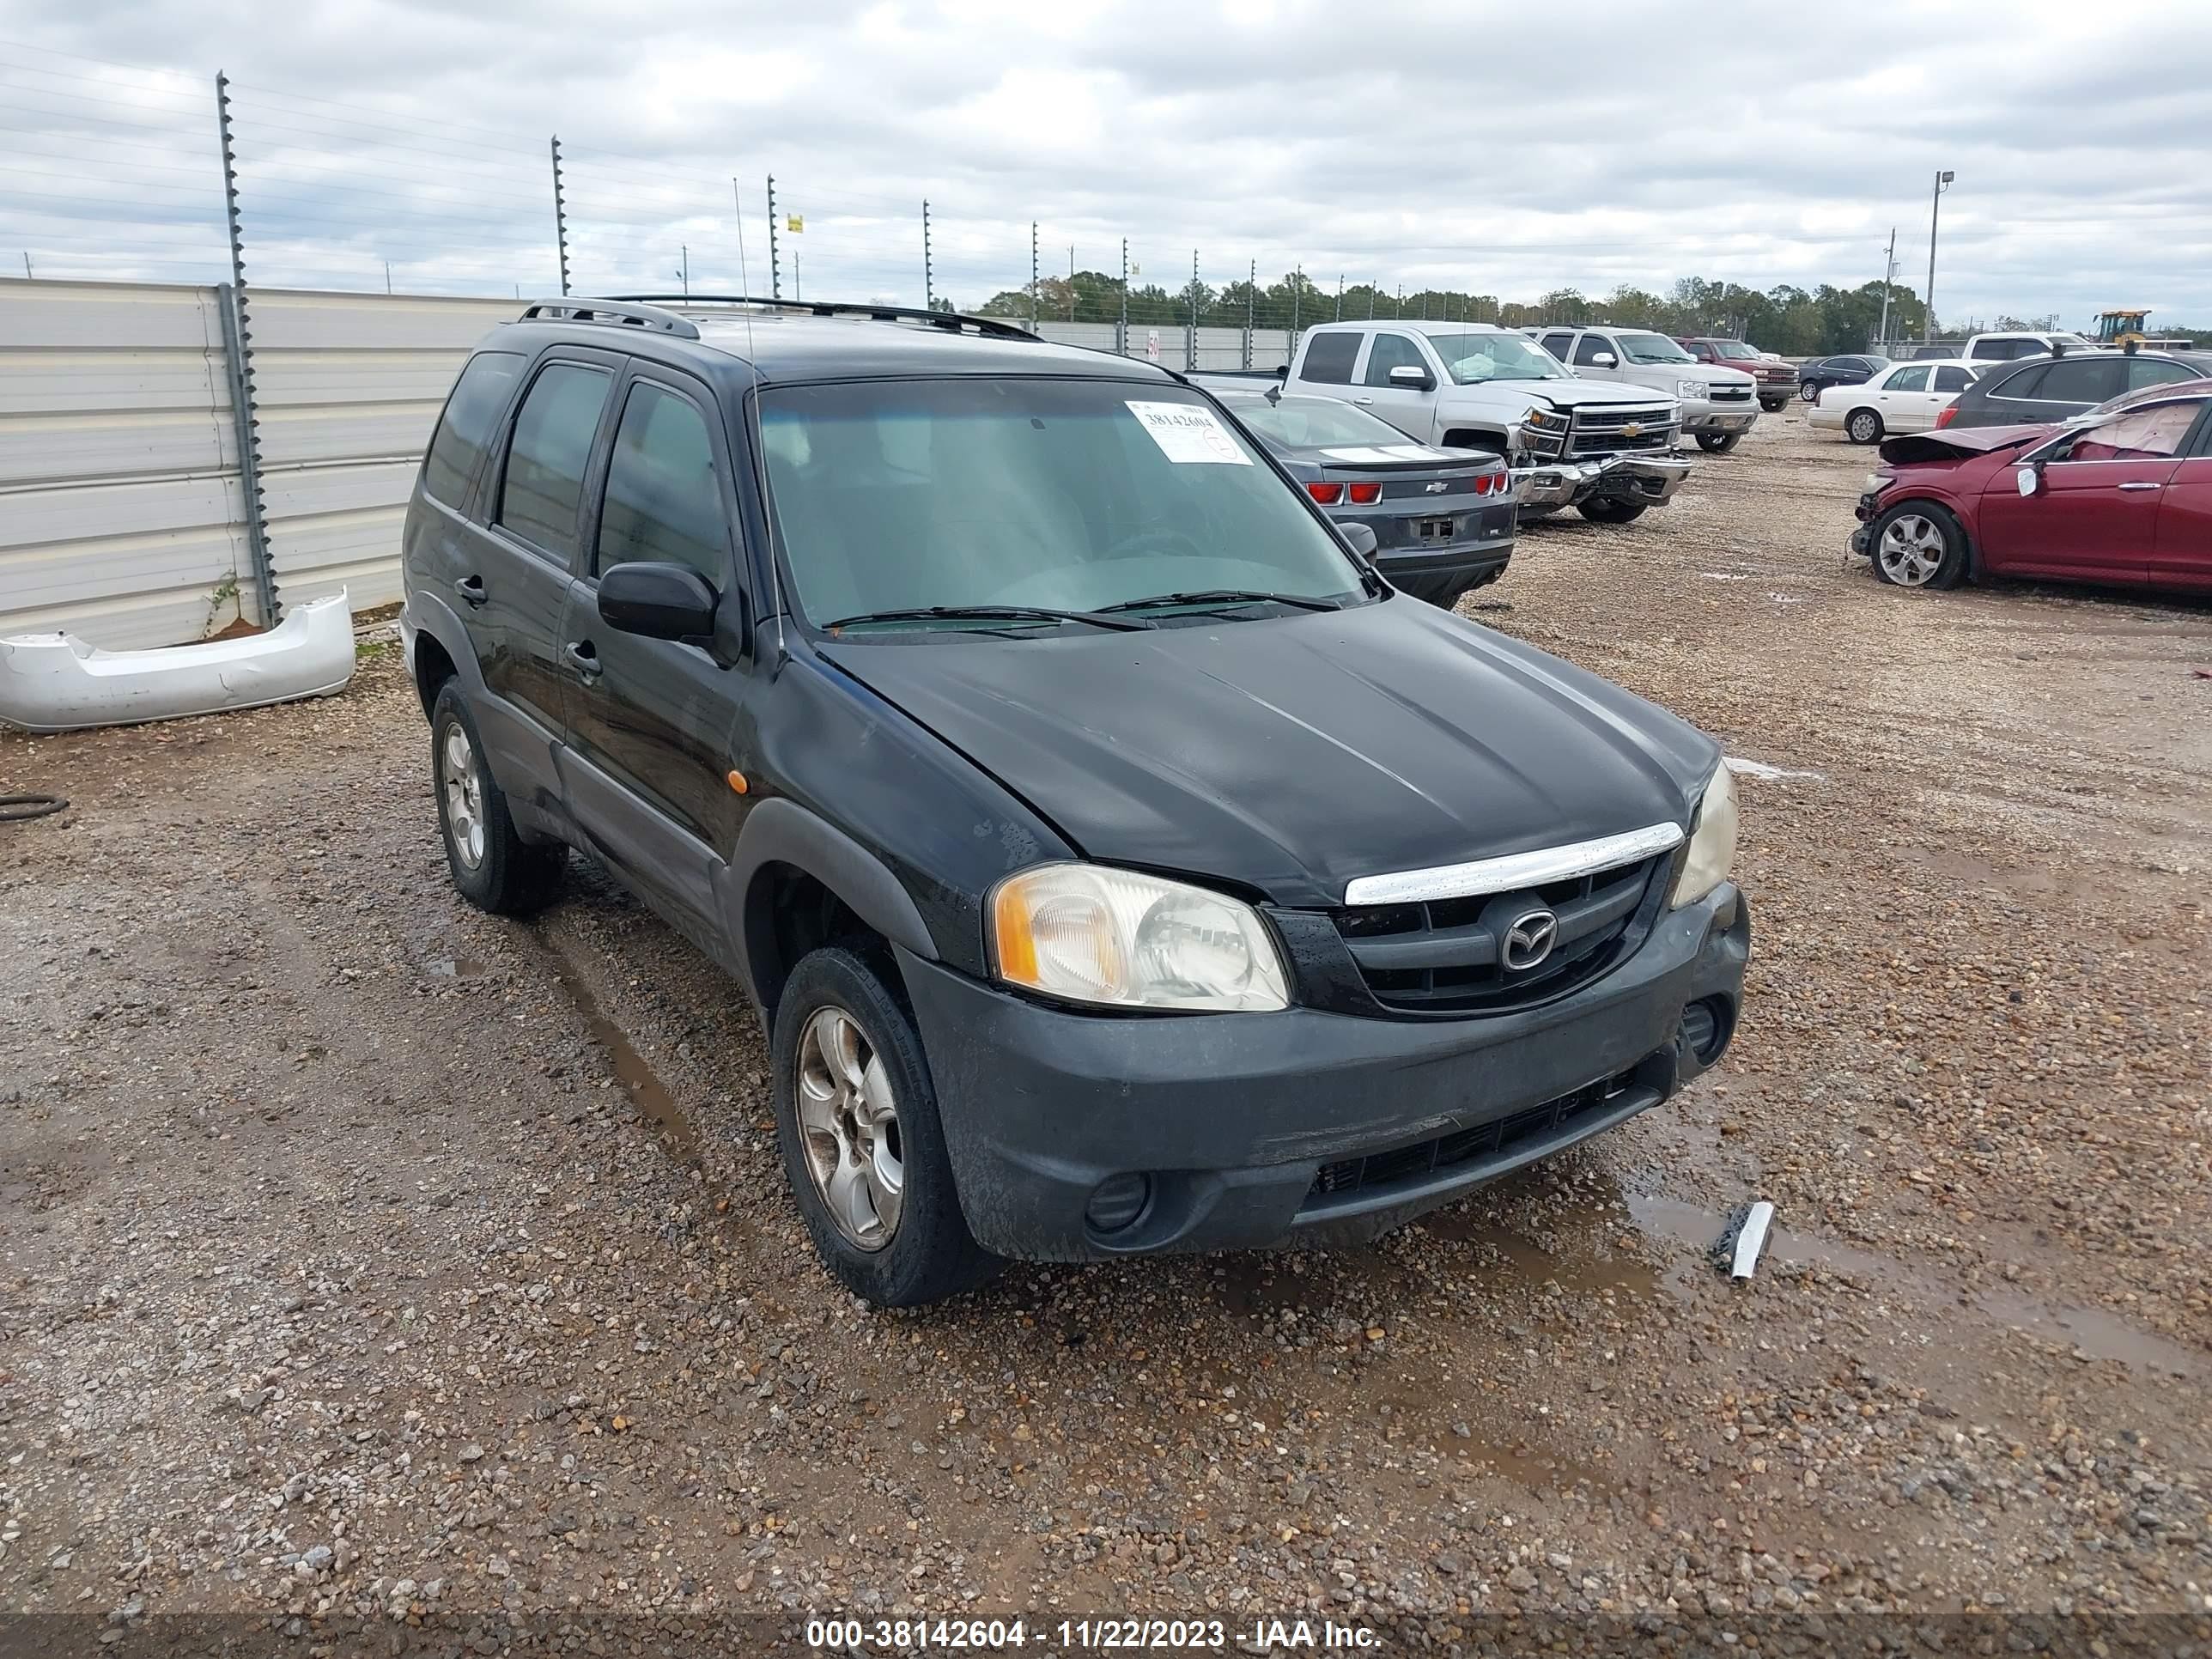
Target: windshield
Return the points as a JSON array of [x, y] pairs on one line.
[[1070, 495], [1653, 348], [1312, 423], [1734, 348], [1472, 359]]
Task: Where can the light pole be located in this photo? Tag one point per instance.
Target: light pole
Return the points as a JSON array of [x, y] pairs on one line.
[[1935, 210]]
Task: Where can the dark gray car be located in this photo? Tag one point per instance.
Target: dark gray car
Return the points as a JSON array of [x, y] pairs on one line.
[[1443, 519], [2039, 389]]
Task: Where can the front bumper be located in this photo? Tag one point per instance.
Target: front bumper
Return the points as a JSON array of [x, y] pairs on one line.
[[1701, 417], [1243, 1126], [1652, 479]]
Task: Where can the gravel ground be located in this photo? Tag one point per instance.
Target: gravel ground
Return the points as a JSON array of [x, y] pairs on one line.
[[366, 1254]]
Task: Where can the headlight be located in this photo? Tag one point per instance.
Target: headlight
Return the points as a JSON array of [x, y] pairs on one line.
[[1712, 843], [1091, 934], [1689, 388], [1548, 420], [1876, 481]]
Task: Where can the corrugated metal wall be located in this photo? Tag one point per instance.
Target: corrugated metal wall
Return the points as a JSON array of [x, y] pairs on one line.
[[347, 387], [120, 516]]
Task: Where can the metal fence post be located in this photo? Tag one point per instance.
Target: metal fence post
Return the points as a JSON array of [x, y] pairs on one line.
[[560, 215], [1298, 281], [774, 268], [1121, 323], [1339, 296], [1190, 333], [928, 289], [1251, 299], [238, 351], [1033, 276]]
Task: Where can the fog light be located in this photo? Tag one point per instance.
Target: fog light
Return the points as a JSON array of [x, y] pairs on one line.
[[1117, 1201], [1704, 1029]]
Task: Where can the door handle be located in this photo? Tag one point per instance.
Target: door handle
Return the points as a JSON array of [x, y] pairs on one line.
[[2138, 486], [471, 588], [586, 660], [1364, 402]]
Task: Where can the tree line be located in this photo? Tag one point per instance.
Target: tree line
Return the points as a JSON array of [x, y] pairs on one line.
[[1795, 321]]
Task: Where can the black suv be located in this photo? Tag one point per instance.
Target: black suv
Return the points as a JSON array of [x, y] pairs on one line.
[[1117, 863], [2057, 388]]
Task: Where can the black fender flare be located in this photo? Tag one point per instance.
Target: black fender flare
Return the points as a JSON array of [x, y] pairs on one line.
[[778, 831], [428, 613]]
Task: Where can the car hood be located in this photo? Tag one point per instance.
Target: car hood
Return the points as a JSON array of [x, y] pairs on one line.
[[1711, 374], [1287, 755], [1960, 443], [1582, 394]]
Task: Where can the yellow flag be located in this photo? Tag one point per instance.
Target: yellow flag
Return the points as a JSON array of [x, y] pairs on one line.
[[794, 223]]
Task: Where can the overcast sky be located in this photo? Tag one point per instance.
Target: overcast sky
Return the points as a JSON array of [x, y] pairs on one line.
[[1506, 150]]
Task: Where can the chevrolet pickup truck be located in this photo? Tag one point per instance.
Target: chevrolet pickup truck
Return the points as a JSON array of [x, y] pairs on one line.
[[1607, 451], [1777, 380], [1719, 405]]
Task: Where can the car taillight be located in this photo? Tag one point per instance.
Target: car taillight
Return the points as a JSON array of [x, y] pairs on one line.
[[1328, 494], [1946, 417], [1366, 495], [1485, 483]]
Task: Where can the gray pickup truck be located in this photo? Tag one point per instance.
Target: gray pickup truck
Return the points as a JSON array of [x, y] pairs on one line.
[[1606, 450], [1719, 404]]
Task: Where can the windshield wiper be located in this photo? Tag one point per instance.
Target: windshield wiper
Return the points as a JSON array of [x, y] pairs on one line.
[[1009, 612], [1218, 597]]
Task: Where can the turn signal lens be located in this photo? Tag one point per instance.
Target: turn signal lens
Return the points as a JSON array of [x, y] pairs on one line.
[[1091, 934]]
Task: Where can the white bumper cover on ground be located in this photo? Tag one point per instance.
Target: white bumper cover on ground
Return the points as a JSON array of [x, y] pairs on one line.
[[56, 683]]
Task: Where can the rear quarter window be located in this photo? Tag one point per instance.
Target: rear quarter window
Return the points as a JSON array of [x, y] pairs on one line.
[[465, 426], [1329, 358]]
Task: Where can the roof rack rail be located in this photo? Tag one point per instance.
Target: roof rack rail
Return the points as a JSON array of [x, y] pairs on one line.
[[616, 312], [998, 327]]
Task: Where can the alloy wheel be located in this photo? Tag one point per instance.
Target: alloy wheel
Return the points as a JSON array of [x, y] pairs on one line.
[[1864, 428], [464, 794], [850, 1128], [1911, 549]]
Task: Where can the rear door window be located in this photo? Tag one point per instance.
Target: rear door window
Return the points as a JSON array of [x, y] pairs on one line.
[[1329, 358], [2082, 380], [2021, 384], [478, 399], [547, 455], [663, 500], [1556, 343]]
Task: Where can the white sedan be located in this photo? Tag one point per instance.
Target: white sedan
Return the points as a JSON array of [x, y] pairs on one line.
[[1906, 398]]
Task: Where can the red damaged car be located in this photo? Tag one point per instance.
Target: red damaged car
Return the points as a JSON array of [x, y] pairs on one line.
[[2121, 495]]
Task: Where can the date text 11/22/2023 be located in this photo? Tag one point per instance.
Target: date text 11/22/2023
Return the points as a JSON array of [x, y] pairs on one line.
[[854, 1636]]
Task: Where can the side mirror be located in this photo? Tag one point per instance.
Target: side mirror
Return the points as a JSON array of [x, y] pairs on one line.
[[1603, 360], [2029, 478], [1412, 376], [658, 602], [1360, 538]]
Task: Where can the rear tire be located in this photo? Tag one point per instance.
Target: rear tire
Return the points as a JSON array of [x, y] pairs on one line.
[[1718, 443], [1809, 391], [1610, 509], [492, 866], [1773, 406], [1862, 425], [862, 1106], [1918, 544]]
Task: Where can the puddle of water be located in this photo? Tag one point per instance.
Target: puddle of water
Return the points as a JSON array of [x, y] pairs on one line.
[[2099, 1335], [636, 1077]]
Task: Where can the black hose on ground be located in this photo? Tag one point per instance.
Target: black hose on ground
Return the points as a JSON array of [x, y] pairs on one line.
[[16, 808]]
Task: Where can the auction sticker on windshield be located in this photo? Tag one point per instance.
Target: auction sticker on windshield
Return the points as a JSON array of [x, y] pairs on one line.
[[1187, 433]]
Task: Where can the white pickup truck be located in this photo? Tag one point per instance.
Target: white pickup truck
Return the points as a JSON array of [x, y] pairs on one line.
[[1606, 450]]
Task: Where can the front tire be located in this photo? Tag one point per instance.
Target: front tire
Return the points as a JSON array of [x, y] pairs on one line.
[[1610, 509], [863, 1145], [1809, 391], [1862, 425], [492, 866], [1918, 544], [1718, 443], [1773, 406]]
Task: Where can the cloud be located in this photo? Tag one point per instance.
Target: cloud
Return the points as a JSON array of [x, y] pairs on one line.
[[1475, 148]]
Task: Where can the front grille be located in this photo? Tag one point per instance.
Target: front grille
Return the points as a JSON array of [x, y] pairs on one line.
[[1730, 394], [1486, 1142], [1445, 955], [1603, 431]]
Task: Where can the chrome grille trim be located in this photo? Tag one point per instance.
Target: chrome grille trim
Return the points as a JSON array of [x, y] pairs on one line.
[[1514, 870]]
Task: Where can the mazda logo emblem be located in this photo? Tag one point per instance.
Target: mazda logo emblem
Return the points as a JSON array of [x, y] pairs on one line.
[[1529, 940]]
